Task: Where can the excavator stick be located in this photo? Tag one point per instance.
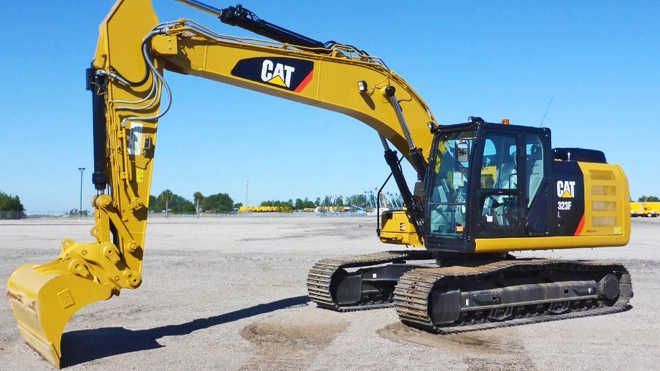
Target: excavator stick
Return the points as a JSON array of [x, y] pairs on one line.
[[44, 297]]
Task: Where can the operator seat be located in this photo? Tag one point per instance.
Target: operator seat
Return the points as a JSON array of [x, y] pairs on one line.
[[507, 178]]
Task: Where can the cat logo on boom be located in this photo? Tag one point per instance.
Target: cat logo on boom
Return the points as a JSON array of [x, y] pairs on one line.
[[286, 73], [276, 73]]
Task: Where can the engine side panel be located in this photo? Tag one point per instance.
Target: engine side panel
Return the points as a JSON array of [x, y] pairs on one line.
[[607, 206]]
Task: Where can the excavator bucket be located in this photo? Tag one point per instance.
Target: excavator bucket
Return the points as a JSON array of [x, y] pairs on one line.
[[44, 297]]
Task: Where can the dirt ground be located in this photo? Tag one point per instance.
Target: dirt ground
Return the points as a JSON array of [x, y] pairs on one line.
[[229, 293]]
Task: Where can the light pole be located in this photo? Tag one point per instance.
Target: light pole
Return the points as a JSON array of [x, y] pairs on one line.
[[82, 170]]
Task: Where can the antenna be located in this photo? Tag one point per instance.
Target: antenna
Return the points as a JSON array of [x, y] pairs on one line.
[[547, 109]]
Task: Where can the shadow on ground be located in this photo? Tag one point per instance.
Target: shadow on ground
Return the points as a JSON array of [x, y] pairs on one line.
[[87, 345]]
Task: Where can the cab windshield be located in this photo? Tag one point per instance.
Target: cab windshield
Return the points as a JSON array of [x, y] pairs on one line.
[[450, 184]]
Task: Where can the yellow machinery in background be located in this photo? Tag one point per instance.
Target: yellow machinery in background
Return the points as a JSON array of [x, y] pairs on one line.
[[264, 209], [636, 209], [652, 208], [460, 278], [648, 209]]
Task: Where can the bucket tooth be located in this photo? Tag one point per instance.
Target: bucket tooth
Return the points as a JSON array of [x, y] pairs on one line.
[[43, 298]]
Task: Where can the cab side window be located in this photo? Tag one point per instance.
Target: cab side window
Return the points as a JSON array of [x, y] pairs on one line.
[[499, 194], [535, 166], [499, 167]]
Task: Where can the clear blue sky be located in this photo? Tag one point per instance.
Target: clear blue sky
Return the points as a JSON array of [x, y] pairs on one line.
[[600, 61]]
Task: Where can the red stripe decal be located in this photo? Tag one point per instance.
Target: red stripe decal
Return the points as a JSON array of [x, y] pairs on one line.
[[580, 226], [305, 81]]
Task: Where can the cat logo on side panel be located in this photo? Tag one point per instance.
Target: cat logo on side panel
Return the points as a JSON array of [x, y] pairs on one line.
[[566, 188]]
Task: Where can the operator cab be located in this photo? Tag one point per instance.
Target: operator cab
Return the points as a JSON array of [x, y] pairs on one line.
[[486, 180]]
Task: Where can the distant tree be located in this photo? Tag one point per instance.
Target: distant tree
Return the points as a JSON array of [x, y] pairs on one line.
[[218, 203], [238, 205], [11, 207], [317, 202], [179, 205], [339, 201], [153, 204], [170, 202], [299, 205], [649, 199], [307, 204]]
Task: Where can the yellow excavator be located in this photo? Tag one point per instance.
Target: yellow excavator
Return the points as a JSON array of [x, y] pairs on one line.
[[482, 190]]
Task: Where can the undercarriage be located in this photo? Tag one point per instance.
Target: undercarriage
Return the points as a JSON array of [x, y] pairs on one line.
[[448, 293]]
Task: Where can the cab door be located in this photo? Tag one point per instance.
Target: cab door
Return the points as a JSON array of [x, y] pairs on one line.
[[499, 206]]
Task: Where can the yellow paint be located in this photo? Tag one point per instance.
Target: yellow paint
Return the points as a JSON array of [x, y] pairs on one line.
[[399, 230], [487, 245], [277, 81], [606, 200]]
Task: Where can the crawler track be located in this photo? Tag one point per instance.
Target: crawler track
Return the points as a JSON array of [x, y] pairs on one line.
[[412, 296], [320, 280]]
